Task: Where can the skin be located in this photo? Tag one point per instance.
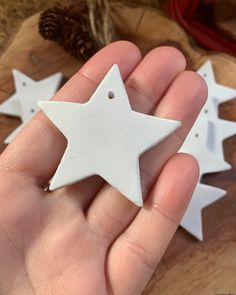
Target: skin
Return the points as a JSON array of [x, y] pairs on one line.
[[87, 238]]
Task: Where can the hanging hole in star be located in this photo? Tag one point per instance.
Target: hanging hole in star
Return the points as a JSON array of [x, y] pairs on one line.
[[206, 111], [204, 75], [23, 83], [32, 110], [111, 95], [196, 135]]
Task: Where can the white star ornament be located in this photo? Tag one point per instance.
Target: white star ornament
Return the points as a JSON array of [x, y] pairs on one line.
[[105, 137], [24, 102], [217, 93], [208, 162], [203, 196], [221, 129], [217, 129]]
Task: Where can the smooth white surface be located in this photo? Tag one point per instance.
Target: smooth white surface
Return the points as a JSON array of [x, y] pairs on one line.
[[105, 137], [203, 196], [23, 103]]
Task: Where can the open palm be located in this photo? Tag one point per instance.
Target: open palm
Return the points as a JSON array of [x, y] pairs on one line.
[[87, 238]]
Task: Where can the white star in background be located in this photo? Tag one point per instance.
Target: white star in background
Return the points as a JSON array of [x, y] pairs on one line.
[[222, 129], [203, 196], [208, 162], [23, 103], [216, 129], [106, 137], [205, 143], [216, 92]]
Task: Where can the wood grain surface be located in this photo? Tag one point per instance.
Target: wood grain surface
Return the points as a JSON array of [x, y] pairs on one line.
[[189, 266]]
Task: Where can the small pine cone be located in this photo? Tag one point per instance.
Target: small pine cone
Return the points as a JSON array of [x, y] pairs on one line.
[[70, 26], [51, 23], [84, 47], [80, 45]]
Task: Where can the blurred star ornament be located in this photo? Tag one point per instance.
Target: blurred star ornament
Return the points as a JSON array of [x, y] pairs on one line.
[[208, 162], [217, 93], [23, 103], [203, 196], [106, 137], [217, 129], [223, 130], [205, 143]]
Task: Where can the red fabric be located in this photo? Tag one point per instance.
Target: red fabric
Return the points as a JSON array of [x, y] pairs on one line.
[[184, 12]]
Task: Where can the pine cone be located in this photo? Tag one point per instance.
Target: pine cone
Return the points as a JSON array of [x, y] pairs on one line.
[[79, 44], [51, 23], [70, 26]]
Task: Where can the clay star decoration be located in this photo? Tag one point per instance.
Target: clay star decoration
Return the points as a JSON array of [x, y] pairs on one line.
[[195, 144], [106, 137], [211, 134], [203, 196], [23, 103], [205, 143], [217, 129], [208, 162], [216, 93]]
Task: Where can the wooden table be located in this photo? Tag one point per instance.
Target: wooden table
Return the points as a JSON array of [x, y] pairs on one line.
[[189, 266]]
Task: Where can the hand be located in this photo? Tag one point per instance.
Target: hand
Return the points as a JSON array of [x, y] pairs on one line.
[[87, 238]]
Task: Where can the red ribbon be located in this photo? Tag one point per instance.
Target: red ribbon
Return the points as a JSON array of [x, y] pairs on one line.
[[184, 12]]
